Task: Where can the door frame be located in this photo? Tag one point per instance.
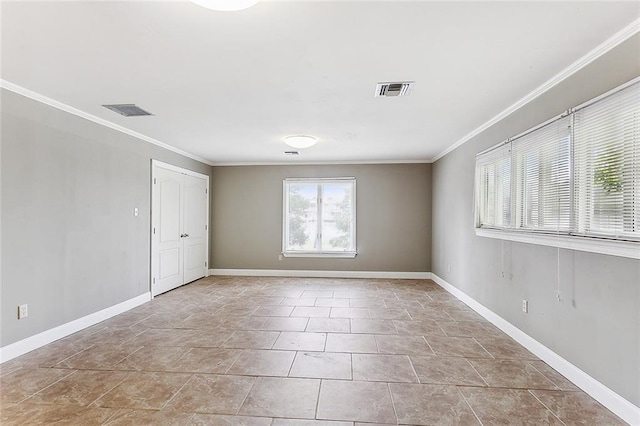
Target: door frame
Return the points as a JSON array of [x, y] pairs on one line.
[[153, 249]]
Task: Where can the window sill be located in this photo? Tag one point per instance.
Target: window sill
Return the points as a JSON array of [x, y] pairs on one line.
[[343, 255], [593, 245]]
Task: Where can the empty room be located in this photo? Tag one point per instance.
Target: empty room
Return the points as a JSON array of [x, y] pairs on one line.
[[319, 212]]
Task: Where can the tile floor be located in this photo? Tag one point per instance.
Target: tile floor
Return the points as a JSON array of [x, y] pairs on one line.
[[291, 351]]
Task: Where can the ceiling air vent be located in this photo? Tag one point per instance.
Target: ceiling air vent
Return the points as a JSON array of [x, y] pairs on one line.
[[292, 152], [128, 110], [401, 88]]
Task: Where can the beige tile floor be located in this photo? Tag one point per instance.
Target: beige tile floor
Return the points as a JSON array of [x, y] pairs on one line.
[[288, 352]]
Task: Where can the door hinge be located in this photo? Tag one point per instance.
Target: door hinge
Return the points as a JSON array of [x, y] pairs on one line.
[[205, 264], [205, 227], [206, 191], [154, 231], [155, 180], [154, 280]]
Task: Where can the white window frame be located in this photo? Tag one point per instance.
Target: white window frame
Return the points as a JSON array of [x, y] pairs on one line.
[[285, 229], [572, 239]]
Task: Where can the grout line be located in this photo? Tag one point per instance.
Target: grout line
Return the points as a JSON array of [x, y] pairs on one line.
[[485, 349], [544, 375], [275, 340], [247, 396], [469, 405], [293, 361], [73, 371], [242, 351], [117, 411], [71, 356], [413, 368], [393, 404], [351, 365], [178, 391], [375, 339], [315, 414], [477, 372], [129, 374], [545, 406]]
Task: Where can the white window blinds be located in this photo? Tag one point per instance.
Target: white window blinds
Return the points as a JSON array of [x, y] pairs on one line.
[[493, 188], [543, 178], [607, 165], [578, 174]]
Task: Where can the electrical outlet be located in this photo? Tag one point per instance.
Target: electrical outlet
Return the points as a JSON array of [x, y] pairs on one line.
[[525, 306], [135, 212], [280, 257], [23, 311]]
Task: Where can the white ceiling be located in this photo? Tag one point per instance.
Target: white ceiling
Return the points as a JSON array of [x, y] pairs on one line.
[[228, 86]]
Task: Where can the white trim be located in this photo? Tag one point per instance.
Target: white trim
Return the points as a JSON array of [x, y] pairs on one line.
[[320, 179], [624, 34], [317, 163], [44, 338], [286, 185], [71, 110], [321, 274], [594, 245], [327, 254], [601, 393], [158, 163]]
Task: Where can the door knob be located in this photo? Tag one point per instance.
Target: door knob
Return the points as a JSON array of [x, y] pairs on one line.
[[186, 235], [183, 235]]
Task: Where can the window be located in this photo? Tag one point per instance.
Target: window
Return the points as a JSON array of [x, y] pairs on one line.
[[542, 178], [576, 175], [493, 174], [319, 217], [607, 166]]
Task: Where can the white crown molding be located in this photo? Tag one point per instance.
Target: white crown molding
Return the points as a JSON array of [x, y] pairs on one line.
[[318, 163], [36, 341], [624, 34], [601, 393], [321, 274], [71, 110]]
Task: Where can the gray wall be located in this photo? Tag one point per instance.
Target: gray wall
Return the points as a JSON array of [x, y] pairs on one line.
[[596, 325], [70, 243], [393, 217]]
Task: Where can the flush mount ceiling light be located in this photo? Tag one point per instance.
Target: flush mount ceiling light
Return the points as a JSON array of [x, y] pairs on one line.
[[225, 5], [300, 141]]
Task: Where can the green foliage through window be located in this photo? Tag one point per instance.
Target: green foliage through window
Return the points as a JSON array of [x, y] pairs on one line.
[[608, 171]]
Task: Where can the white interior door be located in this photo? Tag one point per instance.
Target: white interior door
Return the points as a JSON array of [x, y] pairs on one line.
[[179, 231], [195, 199], [167, 220]]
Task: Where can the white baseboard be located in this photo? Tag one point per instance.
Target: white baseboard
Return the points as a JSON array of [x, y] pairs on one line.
[[320, 274], [601, 393], [34, 342]]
